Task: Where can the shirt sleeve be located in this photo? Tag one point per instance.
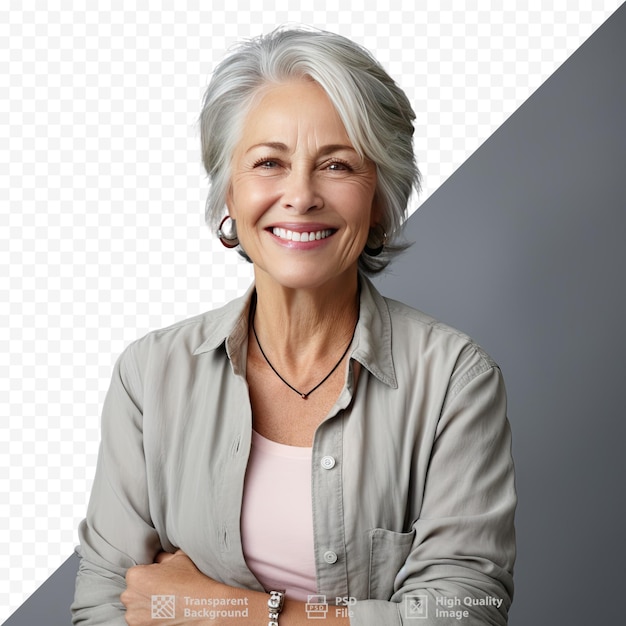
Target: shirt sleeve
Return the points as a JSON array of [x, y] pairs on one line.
[[461, 559], [117, 532]]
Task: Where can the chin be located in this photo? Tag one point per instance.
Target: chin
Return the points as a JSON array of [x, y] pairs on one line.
[[300, 282], [312, 278]]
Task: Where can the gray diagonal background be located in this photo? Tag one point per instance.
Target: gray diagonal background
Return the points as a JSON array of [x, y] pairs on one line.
[[523, 248]]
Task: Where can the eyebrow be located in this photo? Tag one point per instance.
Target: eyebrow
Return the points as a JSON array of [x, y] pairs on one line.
[[281, 147]]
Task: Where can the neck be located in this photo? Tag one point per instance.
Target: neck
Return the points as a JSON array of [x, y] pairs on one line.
[[300, 326]]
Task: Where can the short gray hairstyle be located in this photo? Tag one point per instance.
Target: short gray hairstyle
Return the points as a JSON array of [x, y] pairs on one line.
[[376, 113]]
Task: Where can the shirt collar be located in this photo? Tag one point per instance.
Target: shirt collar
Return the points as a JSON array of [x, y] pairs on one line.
[[373, 337], [372, 340]]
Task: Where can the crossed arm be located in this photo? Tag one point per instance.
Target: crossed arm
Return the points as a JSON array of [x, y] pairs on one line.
[[175, 574]]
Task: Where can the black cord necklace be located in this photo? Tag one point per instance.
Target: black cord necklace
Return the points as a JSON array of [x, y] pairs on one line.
[[302, 394]]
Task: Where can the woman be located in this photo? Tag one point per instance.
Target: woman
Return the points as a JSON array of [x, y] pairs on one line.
[[311, 449]]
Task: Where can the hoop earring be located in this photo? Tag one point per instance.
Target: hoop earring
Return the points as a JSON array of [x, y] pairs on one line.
[[376, 250], [229, 240]]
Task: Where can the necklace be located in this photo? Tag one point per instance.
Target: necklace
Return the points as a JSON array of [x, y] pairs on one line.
[[302, 394]]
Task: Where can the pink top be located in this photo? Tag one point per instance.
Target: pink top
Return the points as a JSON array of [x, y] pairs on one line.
[[277, 517]]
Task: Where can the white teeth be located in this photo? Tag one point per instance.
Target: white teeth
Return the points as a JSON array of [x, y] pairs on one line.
[[293, 235]]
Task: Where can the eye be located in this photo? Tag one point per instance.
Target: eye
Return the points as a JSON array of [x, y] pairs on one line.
[[339, 166], [266, 164]]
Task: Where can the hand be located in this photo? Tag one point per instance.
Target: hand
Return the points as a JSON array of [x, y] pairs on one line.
[[170, 575]]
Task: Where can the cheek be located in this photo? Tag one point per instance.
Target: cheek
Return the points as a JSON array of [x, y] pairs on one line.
[[249, 199], [358, 202]]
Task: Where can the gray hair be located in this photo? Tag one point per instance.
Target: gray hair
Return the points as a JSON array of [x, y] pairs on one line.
[[376, 113]]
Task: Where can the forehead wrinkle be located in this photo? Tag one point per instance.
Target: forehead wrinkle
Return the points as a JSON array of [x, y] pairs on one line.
[[273, 145], [295, 129], [323, 151], [316, 138]]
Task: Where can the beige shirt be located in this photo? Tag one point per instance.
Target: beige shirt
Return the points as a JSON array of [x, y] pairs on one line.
[[412, 478]]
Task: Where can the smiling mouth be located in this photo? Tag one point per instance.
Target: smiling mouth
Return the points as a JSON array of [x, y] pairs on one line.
[[292, 235]]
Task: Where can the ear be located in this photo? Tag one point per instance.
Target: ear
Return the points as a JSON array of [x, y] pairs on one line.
[[229, 202], [376, 213]]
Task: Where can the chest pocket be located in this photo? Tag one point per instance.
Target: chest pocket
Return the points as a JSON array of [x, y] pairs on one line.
[[388, 552]]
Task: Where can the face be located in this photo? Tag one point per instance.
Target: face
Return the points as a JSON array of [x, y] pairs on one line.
[[302, 197]]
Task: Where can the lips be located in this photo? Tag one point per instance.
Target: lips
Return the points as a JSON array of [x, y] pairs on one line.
[[304, 236]]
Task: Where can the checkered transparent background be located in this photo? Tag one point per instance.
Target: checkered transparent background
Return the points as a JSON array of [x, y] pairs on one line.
[[102, 195]]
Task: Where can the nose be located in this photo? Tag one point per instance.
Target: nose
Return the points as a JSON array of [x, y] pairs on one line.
[[300, 193]]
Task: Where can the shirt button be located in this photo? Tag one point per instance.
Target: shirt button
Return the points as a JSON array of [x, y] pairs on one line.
[[328, 462], [330, 557]]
